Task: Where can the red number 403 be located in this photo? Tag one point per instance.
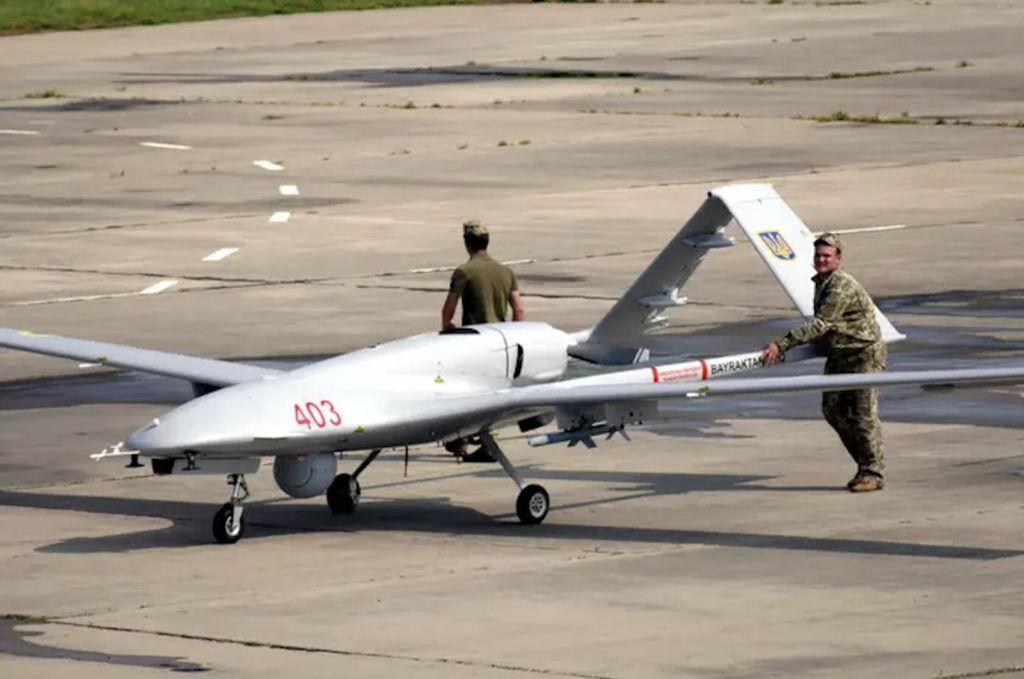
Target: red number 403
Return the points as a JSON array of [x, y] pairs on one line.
[[311, 414]]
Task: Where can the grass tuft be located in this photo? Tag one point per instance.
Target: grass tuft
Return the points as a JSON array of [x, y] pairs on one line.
[[45, 94], [34, 16]]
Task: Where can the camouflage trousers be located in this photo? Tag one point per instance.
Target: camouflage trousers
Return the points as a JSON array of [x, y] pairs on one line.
[[854, 414]]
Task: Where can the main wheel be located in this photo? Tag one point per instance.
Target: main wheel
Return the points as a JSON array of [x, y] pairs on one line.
[[532, 504], [224, 527], [343, 494]]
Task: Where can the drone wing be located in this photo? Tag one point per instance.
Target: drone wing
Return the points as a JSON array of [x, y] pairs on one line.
[[585, 408], [205, 371]]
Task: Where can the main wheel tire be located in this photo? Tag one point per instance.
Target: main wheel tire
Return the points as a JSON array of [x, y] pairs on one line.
[[532, 504], [223, 530], [343, 494]]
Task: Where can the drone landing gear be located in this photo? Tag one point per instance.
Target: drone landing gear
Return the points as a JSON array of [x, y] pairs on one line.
[[344, 492], [228, 522], [533, 502]]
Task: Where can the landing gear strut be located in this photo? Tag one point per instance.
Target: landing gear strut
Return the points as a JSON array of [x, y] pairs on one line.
[[533, 502], [344, 492], [228, 523]]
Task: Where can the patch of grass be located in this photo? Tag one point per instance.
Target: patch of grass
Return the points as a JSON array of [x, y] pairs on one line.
[[33, 16], [963, 63], [970, 123], [45, 94], [272, 116], [840, 75], [841, 116], [844, 75]]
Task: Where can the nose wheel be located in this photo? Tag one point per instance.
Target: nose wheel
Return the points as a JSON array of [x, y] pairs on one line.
[[228, 522]]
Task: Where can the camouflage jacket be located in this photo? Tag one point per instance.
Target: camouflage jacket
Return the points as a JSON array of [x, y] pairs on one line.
[[844, 316]]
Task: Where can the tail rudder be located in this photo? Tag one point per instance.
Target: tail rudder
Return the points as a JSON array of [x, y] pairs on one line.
[[785, 244]]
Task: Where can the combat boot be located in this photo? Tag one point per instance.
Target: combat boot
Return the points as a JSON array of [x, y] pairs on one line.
[[866, 483]]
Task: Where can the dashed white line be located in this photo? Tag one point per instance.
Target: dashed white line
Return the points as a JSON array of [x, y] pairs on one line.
[[280, 216], [870, 229], [289, 190], [87, 365], [267, 165], [26, 133], [439, 269], [80, 298], [161, 145], [432, 269], [158, 287], [223, 253], [151, 290]]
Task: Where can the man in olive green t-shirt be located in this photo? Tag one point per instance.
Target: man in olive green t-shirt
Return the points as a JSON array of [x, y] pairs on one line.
[[485, 286]]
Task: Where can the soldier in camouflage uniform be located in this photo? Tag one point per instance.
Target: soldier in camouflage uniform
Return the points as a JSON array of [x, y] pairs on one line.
[[485, 286], [844, 323]]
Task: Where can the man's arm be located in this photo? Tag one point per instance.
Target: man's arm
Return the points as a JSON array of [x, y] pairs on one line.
[[448, 310], [828, 316], [518, 308], [455, 288]]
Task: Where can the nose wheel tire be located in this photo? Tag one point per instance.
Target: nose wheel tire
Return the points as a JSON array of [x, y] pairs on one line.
[[343, 494], [225, 528], [532, 504]]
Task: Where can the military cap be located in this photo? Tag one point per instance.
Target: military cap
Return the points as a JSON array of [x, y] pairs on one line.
[[830, 239], [474, 228]]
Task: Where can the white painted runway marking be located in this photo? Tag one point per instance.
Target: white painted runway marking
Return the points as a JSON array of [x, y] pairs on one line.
[[432, 269], [289, 190], [161, 145], [26, 133], [280, 216], [81, 298], [158, 287], [439, 269], [223, 253], [267, 165], [870, 229]]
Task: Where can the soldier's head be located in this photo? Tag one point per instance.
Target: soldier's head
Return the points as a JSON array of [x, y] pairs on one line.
[[828, 253], [475, 236]]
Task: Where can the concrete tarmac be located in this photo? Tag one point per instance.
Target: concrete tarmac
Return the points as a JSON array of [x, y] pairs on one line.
[[288, 188]]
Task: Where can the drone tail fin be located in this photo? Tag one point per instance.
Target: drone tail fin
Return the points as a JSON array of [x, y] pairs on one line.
[[785, 244]]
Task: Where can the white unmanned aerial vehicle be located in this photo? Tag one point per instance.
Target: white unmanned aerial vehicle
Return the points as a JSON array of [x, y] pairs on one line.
[[466, 383]]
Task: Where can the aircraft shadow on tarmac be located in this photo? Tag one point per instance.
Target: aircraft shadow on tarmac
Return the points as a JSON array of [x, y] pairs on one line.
[[190, 520]]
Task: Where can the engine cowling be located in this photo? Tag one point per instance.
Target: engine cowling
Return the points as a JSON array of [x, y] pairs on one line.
[[305, 476]]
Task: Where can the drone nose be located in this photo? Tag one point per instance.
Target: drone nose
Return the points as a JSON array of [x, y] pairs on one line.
[[149, 439], [218, 423]]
